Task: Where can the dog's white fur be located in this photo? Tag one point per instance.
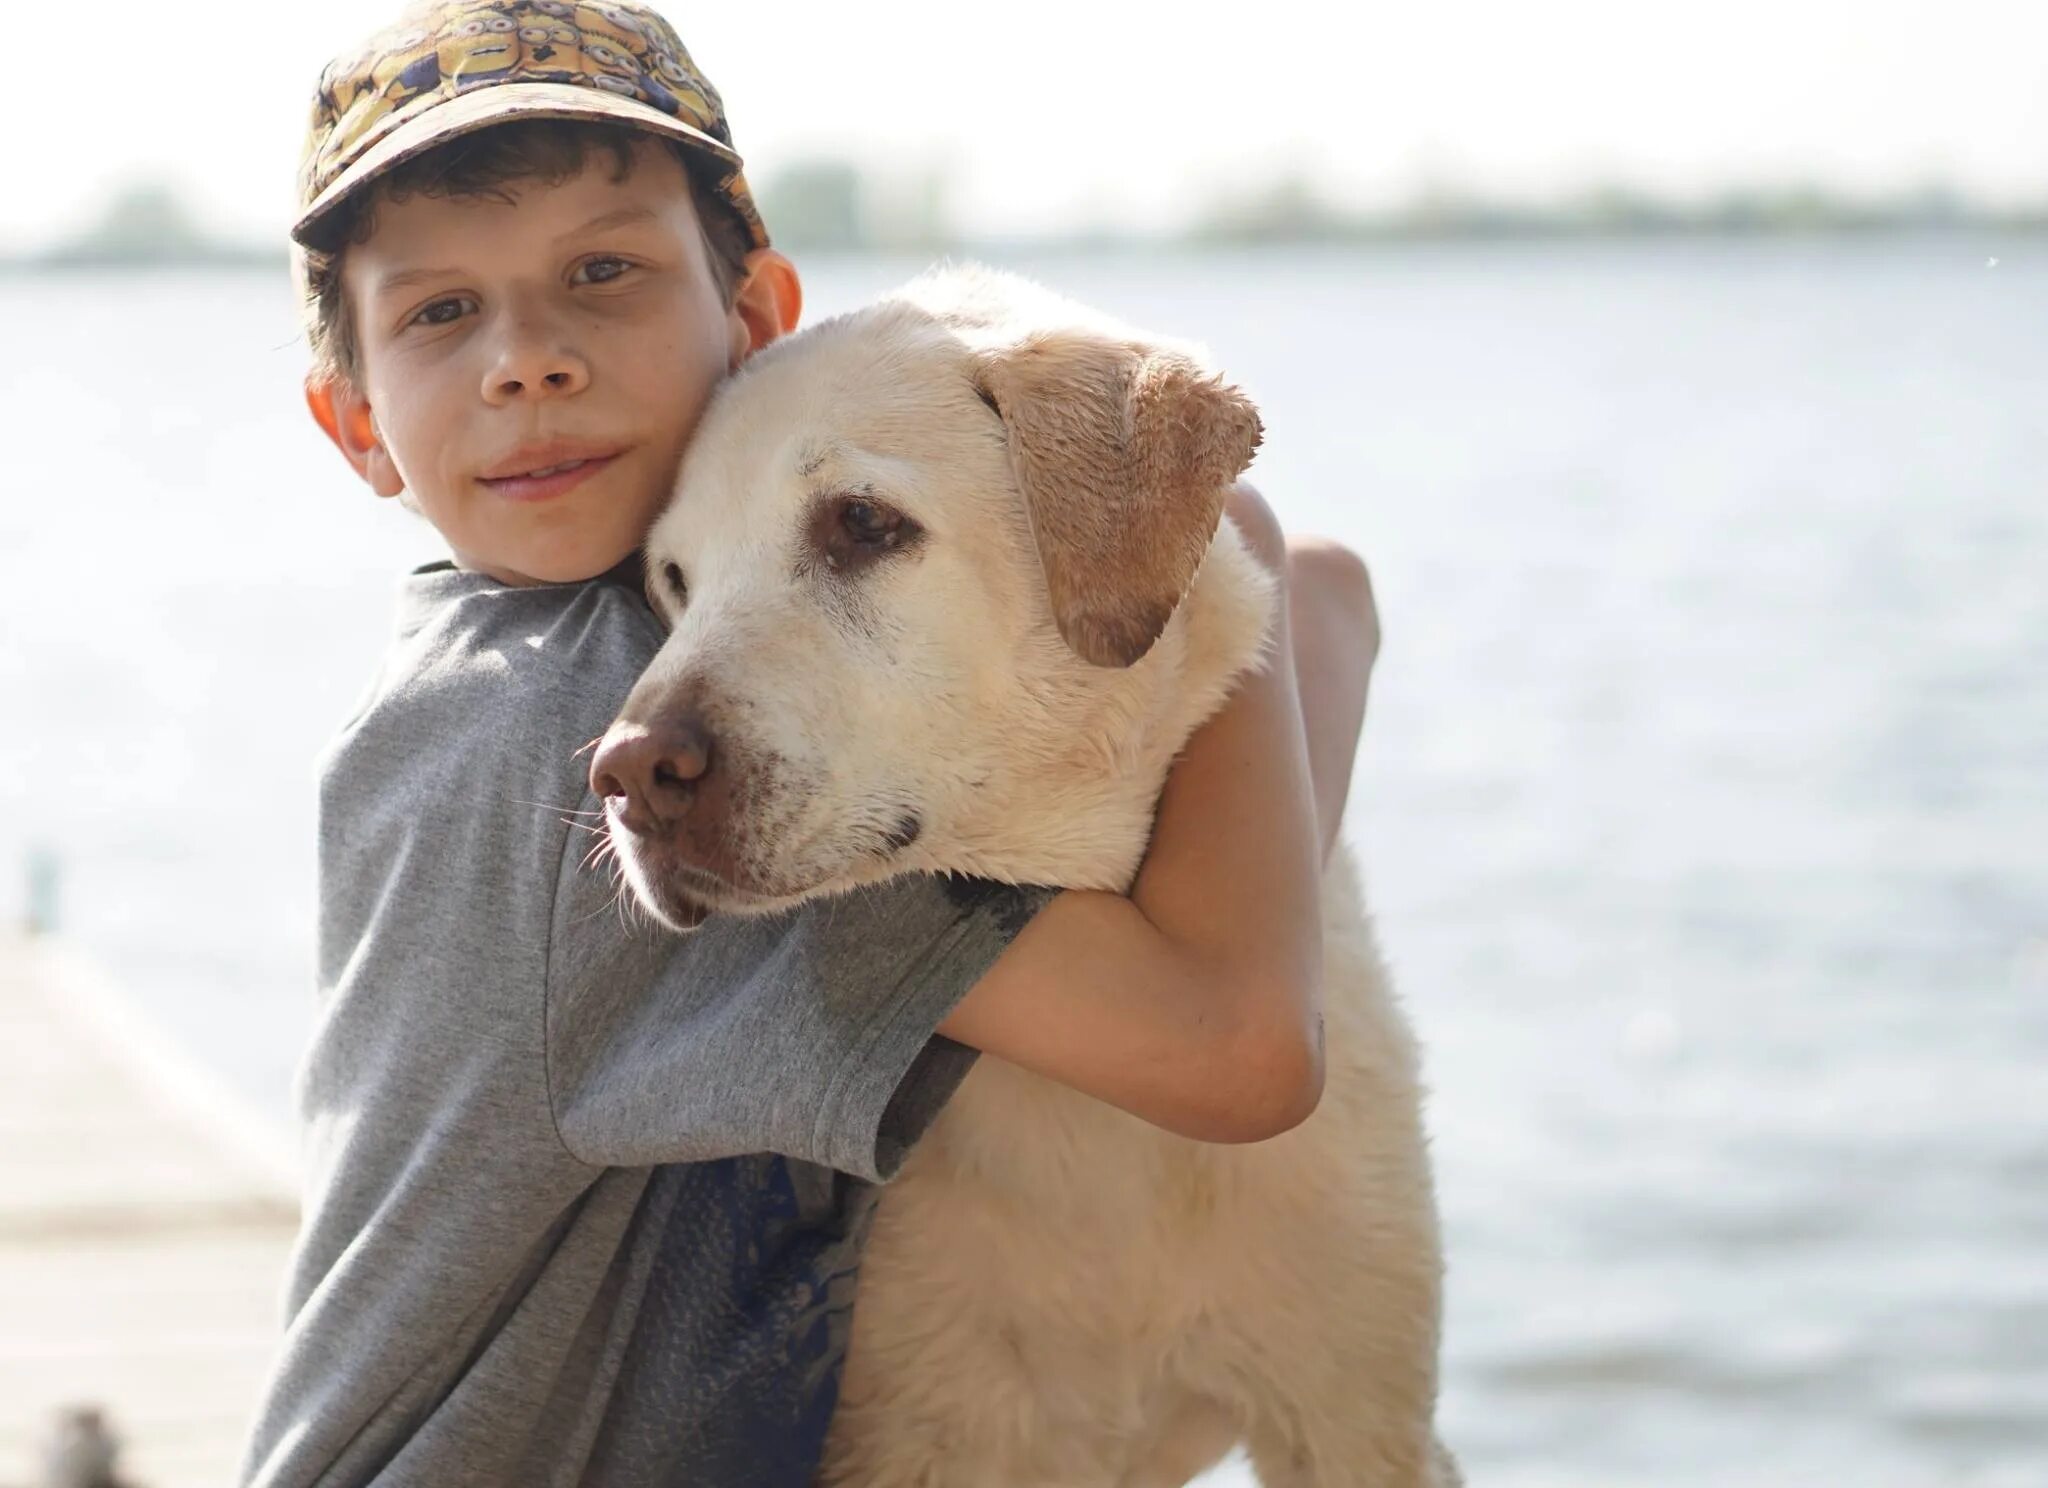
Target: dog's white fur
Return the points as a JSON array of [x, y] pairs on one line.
[[1054, 1292]]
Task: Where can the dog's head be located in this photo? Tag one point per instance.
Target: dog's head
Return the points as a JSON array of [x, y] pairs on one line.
[[921, 575]]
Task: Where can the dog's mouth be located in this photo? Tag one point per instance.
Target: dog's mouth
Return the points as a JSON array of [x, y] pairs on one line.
[[683, 897], [683, 893], [689, 901], [679, 893]]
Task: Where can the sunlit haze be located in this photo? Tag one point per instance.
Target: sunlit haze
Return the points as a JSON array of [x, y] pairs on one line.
[[1076, 114]]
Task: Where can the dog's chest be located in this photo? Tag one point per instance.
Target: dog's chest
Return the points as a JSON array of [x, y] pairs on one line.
[[1048, 1177]]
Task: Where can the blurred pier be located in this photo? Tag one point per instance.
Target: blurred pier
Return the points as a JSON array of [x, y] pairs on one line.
[[145, 1222]]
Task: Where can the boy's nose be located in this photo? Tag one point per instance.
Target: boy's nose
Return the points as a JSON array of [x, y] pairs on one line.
[[652, 771], [533, 370]]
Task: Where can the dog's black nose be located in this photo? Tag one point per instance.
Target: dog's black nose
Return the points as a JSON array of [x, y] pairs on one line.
[[652, 771]]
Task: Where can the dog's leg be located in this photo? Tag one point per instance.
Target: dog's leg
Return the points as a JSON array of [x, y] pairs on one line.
[[1345, 1274], [1343, 1375], [1370, 1459], [1349, 1401], [1193, 1438]]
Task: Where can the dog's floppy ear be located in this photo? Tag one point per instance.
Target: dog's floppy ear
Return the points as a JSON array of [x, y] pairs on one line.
[[1124, 453]]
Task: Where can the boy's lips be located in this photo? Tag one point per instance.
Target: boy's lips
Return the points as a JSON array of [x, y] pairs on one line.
[[540, 472]]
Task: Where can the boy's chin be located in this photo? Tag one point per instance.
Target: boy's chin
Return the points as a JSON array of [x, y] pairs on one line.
[[537, 573], [527, 565]]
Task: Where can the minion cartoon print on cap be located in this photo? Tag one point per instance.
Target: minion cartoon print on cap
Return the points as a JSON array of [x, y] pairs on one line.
[[450, 67]]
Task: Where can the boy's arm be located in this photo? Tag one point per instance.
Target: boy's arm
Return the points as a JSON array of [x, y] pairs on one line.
[[1195, 1003]]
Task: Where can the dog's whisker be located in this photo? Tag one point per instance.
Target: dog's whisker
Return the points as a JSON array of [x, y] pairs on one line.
[[556, 807], [621, 900]]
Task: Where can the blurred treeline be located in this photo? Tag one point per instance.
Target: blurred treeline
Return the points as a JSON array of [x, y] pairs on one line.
[[831, 204]]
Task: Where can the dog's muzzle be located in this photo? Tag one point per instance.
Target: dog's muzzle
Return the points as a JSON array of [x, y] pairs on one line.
[[672, 794], [652, 776]]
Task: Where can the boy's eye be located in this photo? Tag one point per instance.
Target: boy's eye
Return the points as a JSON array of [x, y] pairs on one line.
[[444, 311], [600, 270]]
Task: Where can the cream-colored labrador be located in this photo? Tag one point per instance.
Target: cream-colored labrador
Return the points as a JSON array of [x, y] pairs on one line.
[[948, 589]]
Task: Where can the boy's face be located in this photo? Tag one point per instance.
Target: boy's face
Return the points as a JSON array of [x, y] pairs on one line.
[[532, 368]]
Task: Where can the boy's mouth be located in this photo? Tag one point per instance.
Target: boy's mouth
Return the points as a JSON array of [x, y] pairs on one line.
[[542, 473]]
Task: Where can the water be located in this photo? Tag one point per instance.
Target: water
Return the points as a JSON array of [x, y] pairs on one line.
[[1705, 789]]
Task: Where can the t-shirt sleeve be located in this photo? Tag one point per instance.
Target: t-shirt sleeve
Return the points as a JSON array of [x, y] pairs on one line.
[[811, 1033]]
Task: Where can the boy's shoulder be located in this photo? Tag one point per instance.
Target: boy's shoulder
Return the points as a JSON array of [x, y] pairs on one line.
[[484, 670], [462, 629], [473, 735]]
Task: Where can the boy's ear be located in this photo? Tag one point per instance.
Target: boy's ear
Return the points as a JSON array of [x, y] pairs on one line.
[[343, 415], [766, 305]]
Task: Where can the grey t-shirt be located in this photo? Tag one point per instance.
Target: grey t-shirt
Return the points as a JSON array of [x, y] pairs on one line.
[[583, 1198]]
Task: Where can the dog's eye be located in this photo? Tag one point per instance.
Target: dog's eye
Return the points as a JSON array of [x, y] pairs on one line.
[[869, 524], [669, 580], [850, 531]]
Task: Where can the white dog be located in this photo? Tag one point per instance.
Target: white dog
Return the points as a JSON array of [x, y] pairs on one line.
[[947, 585]]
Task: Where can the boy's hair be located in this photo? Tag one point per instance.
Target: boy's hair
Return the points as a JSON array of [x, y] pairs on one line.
[[483, 164]]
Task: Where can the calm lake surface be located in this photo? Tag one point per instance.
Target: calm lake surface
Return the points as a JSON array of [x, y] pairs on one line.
[[1704, 795]]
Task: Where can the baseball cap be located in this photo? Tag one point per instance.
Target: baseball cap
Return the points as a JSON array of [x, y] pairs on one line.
[[444, 69]]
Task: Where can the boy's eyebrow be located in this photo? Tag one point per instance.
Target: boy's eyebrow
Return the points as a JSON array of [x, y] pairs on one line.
[[619, 217], [405, 280], [603, 222]]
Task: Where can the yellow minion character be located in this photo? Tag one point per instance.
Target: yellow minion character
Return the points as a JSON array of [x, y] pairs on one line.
[[693, 104], [621, 24], [609, 55], [549, 43], [358, 94], [405, 71], [480, 43], [663, 64]]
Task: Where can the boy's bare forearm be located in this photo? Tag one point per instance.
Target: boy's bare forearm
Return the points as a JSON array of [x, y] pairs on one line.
[[1234, 869], [1196, 1002], [1095, 996]]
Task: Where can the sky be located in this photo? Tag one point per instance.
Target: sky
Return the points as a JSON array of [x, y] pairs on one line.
[[1053, 115]]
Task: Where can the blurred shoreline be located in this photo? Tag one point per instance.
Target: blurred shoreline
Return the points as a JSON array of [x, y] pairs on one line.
[[831, 206]]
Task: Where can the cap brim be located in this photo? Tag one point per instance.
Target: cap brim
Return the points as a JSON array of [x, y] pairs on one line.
[[496, 104]]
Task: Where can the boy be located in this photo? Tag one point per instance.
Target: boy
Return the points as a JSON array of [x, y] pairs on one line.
[[584, 1200]]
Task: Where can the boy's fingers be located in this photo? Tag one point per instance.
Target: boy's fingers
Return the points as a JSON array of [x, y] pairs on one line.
[[1323, 578], [1257, 524]]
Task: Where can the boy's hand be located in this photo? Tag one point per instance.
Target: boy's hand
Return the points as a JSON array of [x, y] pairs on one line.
[[1336, 629], [1195, 1003]]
